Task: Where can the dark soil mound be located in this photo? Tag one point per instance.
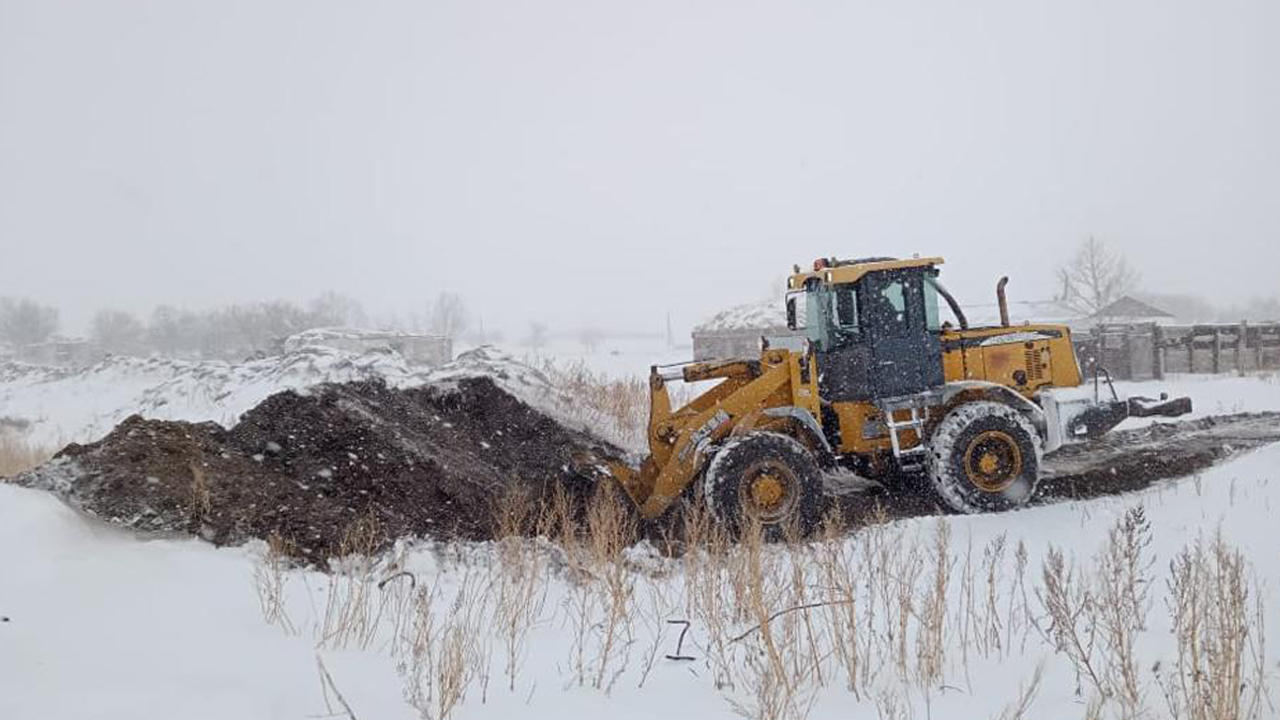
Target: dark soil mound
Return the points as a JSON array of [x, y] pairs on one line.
[[307, 467]]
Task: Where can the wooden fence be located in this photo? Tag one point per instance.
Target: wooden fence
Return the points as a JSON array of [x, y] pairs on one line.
[[1149, 351]]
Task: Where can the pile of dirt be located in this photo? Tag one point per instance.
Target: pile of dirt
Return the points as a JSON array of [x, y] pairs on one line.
[[307, 466]]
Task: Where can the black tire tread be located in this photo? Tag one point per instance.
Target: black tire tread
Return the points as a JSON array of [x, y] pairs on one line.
[[956, 492], [719, 483]]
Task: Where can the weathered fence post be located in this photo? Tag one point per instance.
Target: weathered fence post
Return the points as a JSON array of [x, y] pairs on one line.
[[1240, 336], [1217, 349], [1157, 351], [1191, 350], [1126, 352]]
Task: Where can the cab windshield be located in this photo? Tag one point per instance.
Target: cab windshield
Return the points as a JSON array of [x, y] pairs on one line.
[[832, 315]]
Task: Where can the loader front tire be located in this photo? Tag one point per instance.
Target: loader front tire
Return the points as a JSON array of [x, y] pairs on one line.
[[768, 479], [984, 457]]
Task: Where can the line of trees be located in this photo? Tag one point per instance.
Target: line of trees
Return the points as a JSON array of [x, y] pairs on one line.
[[226, 331], [26, 322], [231, 331]]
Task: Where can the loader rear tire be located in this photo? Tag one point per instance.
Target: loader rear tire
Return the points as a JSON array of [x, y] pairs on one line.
[[984, 457], [768, 479]]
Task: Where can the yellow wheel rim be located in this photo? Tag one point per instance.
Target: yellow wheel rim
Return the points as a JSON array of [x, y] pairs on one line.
[[768, 492], [993, 461]]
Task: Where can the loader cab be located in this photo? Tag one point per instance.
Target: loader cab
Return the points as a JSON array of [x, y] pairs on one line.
[[873, 325]]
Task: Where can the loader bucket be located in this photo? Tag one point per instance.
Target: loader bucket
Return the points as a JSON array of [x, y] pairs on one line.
[[591, 467]]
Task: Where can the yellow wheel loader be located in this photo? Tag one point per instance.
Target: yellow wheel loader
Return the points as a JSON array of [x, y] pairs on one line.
[[881, 387]]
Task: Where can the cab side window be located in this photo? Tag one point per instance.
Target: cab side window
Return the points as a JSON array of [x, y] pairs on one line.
[[886, 307], [846, 307]]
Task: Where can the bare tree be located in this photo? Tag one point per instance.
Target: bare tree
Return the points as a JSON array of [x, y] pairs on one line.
[[449, 316], [169, 330], [117, 331], [262, 324], [1095, 277], [333, 309], [26, 322]]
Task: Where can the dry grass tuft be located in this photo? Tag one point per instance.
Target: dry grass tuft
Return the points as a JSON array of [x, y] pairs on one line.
[[17, 455], [201, 499], [1217, 618], [617, 408], [271, 579]]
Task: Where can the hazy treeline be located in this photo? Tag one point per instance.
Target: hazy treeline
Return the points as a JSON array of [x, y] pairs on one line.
[[234, 329], [230, 331]]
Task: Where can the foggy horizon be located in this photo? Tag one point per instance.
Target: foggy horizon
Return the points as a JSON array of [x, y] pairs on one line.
[[605, 164]]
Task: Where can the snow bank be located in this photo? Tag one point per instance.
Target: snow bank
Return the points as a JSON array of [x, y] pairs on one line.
[[54, 406], [50, 407]]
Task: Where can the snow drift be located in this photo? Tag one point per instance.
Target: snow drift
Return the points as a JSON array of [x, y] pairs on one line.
[[49, 406]]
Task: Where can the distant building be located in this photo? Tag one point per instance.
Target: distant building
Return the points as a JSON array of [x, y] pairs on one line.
[[60, 351], [1130, 311], [416, 349], [736, 332]]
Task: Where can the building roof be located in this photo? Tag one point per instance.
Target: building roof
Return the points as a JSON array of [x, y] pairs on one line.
[[1128, 307]]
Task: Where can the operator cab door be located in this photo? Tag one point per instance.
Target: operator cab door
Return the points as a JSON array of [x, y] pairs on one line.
[[906, 353]]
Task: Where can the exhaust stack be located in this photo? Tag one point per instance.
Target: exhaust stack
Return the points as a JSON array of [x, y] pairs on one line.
[[1004, 301]]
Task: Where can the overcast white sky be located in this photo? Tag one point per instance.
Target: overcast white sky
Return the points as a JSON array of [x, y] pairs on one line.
[[602, 162]]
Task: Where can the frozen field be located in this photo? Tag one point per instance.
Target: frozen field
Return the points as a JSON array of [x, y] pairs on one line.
[[100, 623]]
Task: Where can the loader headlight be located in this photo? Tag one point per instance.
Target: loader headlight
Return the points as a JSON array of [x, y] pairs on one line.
[[829, 276]]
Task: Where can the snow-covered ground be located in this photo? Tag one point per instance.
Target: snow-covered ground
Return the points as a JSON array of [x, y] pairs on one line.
[[100, 623], [1213, 394]]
